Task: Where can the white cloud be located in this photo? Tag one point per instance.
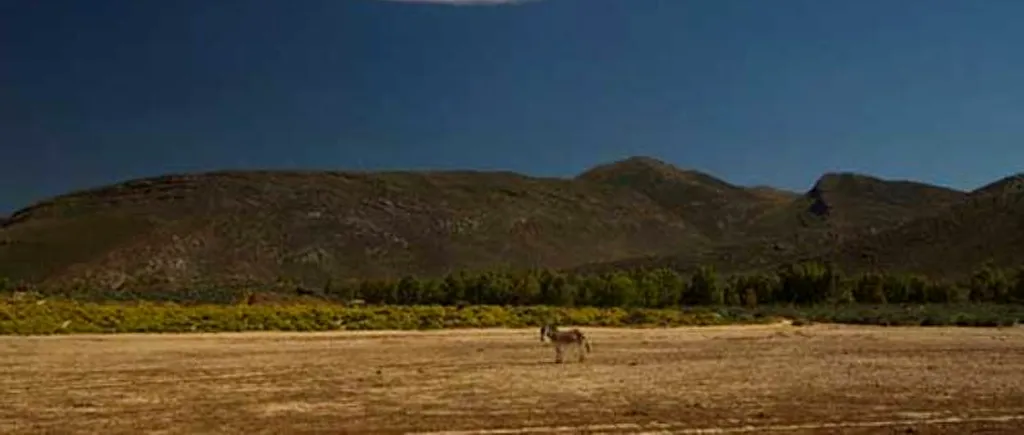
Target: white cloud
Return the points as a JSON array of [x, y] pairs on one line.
[[465, 2]]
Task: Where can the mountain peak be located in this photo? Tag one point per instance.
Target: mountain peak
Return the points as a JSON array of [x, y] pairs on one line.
[[631, 164], [850, 192], [1012, 184], [844, 179], [644, 169]]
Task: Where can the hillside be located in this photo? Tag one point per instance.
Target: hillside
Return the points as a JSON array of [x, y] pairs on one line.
[[715, 207], [839, 208], [256, 228], [986, 227], [846, 205], [308, 227]]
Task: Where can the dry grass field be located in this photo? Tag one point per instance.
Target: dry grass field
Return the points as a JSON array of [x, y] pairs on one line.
[[742, 379]]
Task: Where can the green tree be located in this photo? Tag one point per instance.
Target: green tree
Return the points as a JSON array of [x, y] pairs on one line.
[[733, 295], [527, 290], [754, 289], [805, 283], [947, 292], [546, 278], [704, 288], [563, 291], [917, 289], [988, 284], [501, 289], [839, 287], [619, 290], [1017, 293], [896, 288], [671, 287], [409, 291], [647, 292], [342, 290], [870, 289], [432, 292], [588, 290], [477, 288], [454, 288], [843, 292]]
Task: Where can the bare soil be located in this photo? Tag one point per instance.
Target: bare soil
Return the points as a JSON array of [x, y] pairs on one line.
[[751, 379]]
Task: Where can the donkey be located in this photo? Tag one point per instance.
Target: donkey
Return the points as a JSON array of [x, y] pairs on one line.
[[561, 339]]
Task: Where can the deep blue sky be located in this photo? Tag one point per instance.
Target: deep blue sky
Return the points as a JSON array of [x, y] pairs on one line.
[[753, 91]]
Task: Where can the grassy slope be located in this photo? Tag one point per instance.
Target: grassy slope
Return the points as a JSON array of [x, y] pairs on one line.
[[986, 227], [252, 228], [839, 210], [311, 226], [716, 208]]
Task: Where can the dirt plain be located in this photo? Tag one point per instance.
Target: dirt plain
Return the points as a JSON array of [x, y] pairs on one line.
[[743, 379]]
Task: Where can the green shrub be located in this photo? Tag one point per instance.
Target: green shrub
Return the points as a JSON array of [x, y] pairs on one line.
[[1017, 292], [989, 285], [704, 288], [63, 316]]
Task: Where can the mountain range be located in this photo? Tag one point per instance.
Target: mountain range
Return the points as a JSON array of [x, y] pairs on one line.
[[258, 227]]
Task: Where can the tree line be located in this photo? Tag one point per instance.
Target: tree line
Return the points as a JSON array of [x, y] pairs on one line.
[[797, 284], [803, 284]]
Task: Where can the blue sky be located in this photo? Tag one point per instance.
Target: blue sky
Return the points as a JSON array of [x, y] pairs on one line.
[[752, 91]]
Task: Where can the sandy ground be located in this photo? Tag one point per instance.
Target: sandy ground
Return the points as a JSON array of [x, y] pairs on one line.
[[752, 379]]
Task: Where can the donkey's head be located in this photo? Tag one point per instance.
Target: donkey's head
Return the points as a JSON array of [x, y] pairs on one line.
[[547, 330]]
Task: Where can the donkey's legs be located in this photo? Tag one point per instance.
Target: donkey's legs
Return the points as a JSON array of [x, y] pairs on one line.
[[558, 353], [579, 351]]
